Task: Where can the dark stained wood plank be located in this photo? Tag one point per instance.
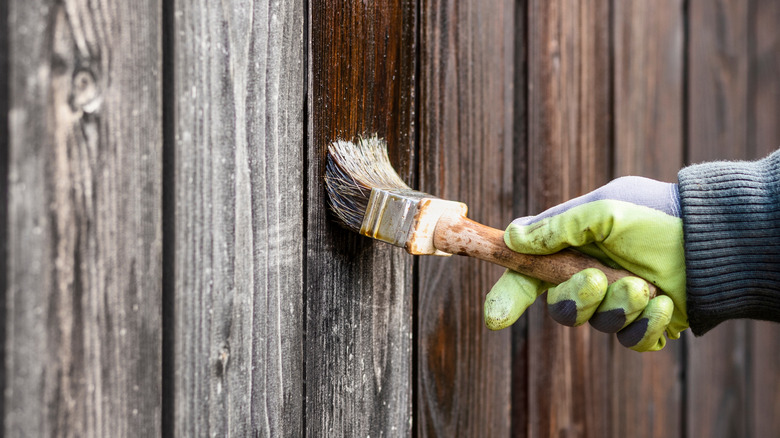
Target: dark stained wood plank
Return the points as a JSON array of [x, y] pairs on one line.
[[717, 80], [764, 82], [648, 107], [519, 89], [763, 138], [239, 108], [648, 94], [568, 154], [717, 117], [466, 136], [358, 351], [84, 266], [764, 390], [717, 382]]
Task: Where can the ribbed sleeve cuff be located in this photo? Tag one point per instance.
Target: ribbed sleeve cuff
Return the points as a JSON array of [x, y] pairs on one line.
[[731, 224]]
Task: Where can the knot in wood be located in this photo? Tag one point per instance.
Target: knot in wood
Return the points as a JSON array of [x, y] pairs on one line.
[[220, 365], [85, 95]]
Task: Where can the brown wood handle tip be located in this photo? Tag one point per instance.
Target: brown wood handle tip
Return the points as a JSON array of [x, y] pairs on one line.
[[462, 236]]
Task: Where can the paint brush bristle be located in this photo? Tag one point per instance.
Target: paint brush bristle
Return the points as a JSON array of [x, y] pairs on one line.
[[352, 170]]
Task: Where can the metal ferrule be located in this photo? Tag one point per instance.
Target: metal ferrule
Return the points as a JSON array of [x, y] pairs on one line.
[[406, 218]]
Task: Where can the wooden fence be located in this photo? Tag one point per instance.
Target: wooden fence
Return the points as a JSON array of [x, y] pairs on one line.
[[170, 267]]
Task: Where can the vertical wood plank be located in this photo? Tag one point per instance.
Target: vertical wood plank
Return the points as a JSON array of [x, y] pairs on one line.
[[764, 84], [648, 125], [84, 267], [568, 140], [239, 106], [764, 391], [5, 90], [648, 94], [466, 132], [717, 117], [763, 138], [717, 80], [358, 348], [519, 385]]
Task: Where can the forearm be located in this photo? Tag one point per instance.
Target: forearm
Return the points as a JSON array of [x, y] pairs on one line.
[[731, 224]]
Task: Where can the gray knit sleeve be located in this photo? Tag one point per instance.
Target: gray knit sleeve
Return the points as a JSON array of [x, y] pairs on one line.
[[731, 225]]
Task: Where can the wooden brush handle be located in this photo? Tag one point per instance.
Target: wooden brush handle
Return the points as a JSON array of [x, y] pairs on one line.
[[460, 235]]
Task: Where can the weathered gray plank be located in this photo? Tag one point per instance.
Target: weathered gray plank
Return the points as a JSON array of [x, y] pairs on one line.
[[568, 155], [648, 119], [717, 129], [239, 95], [4, 146], [84, 266], [466, 135], [358, 348]]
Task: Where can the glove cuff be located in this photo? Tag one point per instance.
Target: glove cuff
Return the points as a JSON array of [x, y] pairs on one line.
[[731, 225]]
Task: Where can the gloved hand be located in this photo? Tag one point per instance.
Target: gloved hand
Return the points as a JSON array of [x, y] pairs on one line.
[[633, 223]]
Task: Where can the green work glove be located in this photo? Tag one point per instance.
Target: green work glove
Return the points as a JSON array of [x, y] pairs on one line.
[[633, 223]]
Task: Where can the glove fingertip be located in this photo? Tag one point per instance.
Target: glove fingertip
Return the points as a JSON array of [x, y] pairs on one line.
[[563, 312], [626, 298], [573, 302], [647, 332], [630, 336], [501, 312], [508, 299], [609, 321], [640, 336]]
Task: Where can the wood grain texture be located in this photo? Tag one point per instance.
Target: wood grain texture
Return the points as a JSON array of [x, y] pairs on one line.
[[718, 60], [648, 94], [5, 90], [764, 138], [717, 80], [519, 360], [764, 396], [647, 388], [764, 83], [84, 266], [358, 350], [568, 154], [466, 136], [238, 332]]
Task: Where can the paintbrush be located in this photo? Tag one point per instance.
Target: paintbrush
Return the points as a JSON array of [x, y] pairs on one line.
[[368, 197]]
